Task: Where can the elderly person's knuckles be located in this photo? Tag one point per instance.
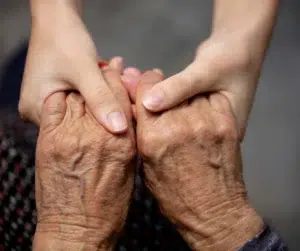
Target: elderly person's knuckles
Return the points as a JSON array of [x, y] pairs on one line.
[[152, 141], [79, 149], [172, 133], [81, 137]]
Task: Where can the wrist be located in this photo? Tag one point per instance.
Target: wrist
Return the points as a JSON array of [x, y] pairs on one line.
[[227, 232], [250, 22], [50, 13], [74, 231], [64, 237], [51, 241]]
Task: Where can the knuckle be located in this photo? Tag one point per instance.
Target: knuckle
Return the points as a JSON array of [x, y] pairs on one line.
[[226, 130], [120, 148], [153, 143], [203, 129], [216, 132], [67, 146], [148, 142]]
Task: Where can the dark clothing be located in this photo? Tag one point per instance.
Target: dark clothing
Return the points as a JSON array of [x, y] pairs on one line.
[[265, 241]]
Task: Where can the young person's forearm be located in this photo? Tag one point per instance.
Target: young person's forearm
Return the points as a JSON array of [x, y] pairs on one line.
[[46, 8], [248, 20]]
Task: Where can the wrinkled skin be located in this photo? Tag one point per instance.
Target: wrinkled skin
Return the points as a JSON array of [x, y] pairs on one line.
[[192, 164], [84, 175]]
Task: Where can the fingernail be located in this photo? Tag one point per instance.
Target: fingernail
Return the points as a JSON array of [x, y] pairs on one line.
[[159, 71], [153, 100], [117, 63], [132, 71], [117, 120], [130, 79], [119, 60]]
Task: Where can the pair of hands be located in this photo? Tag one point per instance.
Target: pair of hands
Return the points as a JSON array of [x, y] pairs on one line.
[[87, 144], [63, 57], [192, 165]]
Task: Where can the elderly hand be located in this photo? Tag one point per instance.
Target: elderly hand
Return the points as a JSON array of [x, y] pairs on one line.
[[62, 56], [193, 166], [84, 175]]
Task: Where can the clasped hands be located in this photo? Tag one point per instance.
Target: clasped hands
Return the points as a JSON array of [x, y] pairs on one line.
[[191, 160]]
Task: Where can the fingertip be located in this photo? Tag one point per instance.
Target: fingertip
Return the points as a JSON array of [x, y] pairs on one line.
[[152, 97], [116, 63], [153, 100], [132, 71], [158, 71], [117, 122]]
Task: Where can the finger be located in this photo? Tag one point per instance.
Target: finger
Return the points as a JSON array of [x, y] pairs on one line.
[[116, 63], [113, 79], [178, 88], [148, 80], [101, 101], [75, 105], [130, 78], [53, 110]]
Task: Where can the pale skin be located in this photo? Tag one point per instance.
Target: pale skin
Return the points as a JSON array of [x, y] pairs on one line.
[[62, 56]]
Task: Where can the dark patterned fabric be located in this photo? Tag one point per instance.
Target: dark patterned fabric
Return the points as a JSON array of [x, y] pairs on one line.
[[17, 204], [265, 241]]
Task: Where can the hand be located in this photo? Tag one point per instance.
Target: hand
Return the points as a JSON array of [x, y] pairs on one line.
[[62, 56], [222, 65], [192, 164], [84, 175], [228, 62]]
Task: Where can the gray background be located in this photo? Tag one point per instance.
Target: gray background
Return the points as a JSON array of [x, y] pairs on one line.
[[165, 34]]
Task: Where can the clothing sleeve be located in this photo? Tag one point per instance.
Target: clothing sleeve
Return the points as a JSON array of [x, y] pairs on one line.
[[267, 240]]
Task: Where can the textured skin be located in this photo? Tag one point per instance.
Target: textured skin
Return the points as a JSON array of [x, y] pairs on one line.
[[145, 228]]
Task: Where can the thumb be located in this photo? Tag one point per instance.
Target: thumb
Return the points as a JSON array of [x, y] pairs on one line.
[[53, 111], [100, 99], [178, 88], [148, 80]]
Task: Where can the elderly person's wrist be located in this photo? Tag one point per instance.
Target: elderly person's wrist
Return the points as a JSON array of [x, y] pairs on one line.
[[53, 241], [226, 231], [74, 232]]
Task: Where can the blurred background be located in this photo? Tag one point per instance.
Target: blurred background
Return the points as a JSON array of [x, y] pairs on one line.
[[165, 34]]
